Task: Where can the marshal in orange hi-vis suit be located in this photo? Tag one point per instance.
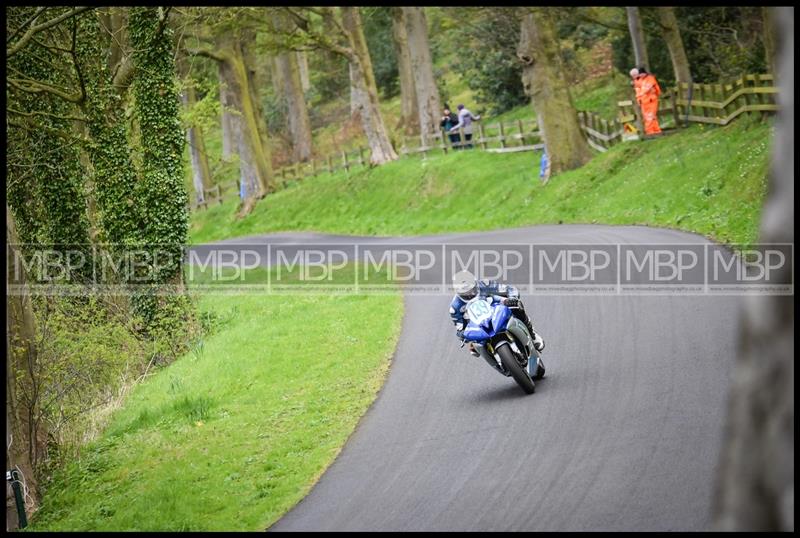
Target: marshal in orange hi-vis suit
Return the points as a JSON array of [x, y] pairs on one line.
[[647, 92]]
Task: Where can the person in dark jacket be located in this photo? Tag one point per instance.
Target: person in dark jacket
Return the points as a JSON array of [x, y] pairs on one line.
[[450, 120]]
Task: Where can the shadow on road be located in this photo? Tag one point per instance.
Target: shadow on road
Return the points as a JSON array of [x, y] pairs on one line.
[[510, 391]]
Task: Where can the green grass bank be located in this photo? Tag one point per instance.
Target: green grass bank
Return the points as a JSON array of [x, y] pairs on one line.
[[708, 180], [236, 432]]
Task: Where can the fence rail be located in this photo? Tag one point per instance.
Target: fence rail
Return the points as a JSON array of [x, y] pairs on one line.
[[346, 160], [505, 137], [722, 103], [680, 105]]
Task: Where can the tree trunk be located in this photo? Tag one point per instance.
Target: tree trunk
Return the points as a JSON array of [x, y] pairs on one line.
[[409, 116], [255, 81], [28, 436], [254, 160], [755, 480], [770, 39], [428, 103], [637, 37], [201, 171], [229, 134], [291, 89], [367, 108], [672, 36], [299, 124], [358, 95], [543, 78], [302, 64]]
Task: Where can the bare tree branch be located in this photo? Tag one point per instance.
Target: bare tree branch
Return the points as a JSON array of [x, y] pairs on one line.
[[44, 114], [25, 24], [44, 26], [34, 86]]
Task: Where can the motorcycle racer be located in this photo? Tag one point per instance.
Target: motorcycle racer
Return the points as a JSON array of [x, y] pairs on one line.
[[468, 287]]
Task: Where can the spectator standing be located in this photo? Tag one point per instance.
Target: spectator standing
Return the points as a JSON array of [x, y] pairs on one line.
[[647, 92], [450, 120], [465, 119]]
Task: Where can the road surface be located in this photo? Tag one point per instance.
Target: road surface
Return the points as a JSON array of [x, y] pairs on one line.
[[623, 434]]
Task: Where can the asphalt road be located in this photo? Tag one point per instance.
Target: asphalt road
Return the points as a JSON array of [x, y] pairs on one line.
[[623, 433]]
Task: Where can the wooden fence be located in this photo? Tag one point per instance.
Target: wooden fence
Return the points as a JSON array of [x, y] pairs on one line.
[[683, 104], [503, 137], [721, 103], [344, 161], [678, 106]]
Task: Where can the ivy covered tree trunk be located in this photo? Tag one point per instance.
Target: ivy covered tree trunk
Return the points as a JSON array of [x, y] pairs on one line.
[[28, 433], [428, 103], [672, 36], [114, 176], [368, 107], [160, 189], [544, 81], [409, 116], [637, 37]]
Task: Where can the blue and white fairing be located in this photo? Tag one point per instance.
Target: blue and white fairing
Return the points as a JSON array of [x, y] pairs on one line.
[[486, 317]]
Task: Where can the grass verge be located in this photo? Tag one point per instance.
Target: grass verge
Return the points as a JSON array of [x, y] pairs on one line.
[[236, 432]]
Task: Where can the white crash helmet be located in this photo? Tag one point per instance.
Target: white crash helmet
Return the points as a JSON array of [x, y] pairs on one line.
[[465, 285]]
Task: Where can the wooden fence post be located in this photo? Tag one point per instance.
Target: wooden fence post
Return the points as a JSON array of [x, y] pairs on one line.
[[482, 135], [502, 136], [675, 116], [444, 143], [345, 162], [330, 164], [361, 156]]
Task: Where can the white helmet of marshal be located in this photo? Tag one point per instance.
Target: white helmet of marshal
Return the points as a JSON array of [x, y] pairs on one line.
[[465, 285]]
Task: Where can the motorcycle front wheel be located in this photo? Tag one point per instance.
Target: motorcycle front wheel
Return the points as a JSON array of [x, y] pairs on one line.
[[517, 372]]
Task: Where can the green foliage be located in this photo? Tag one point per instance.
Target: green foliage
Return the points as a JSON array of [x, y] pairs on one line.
[[276, 111], [86, 351], [487, 59], [721, 43], [45, 183], [581, 34], [207, 108], [377, 23]]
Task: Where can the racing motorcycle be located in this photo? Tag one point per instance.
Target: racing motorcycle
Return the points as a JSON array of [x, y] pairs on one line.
[[503, 341]]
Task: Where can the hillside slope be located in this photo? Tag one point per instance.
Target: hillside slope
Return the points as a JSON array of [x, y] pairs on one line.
[[709, 180]]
